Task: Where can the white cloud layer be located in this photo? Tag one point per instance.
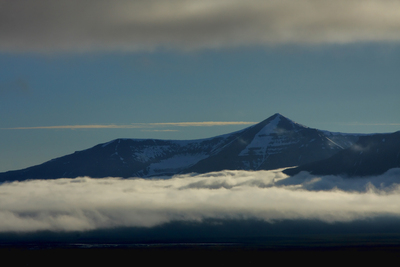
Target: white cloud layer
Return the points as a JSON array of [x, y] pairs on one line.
[[85, 204], [85, 25]]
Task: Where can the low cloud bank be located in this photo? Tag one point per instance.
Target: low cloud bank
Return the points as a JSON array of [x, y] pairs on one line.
[[87, 204]]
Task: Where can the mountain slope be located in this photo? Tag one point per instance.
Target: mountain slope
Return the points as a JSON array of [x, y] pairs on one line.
[[125, 158], [276, 142], [370, 155]]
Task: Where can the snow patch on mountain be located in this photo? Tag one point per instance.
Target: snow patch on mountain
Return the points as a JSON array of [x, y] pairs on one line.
[[268, 141], [148, 153], [175, 164]]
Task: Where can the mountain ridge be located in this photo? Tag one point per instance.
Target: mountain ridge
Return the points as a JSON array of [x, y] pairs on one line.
[[273, 143], [370, 155]]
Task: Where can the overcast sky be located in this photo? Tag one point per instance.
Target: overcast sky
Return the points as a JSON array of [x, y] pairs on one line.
[[75, 73], [76, 25]]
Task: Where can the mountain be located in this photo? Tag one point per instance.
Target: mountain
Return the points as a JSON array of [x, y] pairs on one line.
[[276, 142], [370, 155]]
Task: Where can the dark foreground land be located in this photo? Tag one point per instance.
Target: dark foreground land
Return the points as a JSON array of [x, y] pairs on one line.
[[313, 250], [216, 243], [195, 254]]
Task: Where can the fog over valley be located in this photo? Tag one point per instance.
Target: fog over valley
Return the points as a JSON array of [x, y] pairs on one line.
[[83, 203]]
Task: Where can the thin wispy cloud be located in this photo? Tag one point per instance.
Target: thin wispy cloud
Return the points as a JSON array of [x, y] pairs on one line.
[[135, 125], [124, 25], [201, 124], [73, 127], [167, 130]]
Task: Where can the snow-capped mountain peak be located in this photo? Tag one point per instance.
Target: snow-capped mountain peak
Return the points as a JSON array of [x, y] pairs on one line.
[[276, 142]]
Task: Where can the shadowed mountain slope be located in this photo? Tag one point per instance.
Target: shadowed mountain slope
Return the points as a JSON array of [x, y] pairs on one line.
[[276, 142], [370, 155]]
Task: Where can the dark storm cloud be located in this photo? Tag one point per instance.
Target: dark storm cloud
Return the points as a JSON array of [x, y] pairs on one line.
[[83, 25], [87, 204]]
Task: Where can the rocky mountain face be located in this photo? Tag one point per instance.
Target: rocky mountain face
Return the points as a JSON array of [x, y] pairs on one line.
[[276, 142], [370, 155], [125, 158]]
